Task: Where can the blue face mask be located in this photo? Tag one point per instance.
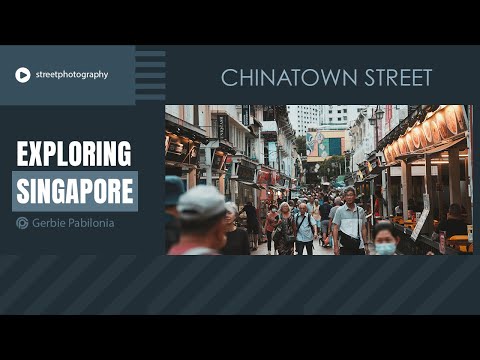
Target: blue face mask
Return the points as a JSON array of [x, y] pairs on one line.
[[385, 248]]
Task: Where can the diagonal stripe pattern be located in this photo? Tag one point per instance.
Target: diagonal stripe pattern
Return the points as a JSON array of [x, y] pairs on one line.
[[60, 284], [99, 285], [30, 275]]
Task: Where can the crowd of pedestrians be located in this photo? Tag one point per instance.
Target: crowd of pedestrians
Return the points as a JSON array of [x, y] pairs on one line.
[[200, 222]]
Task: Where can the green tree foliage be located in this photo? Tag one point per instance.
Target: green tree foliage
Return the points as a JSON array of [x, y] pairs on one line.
[[301, 144]]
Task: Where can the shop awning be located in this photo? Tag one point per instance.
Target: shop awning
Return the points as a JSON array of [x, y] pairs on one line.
[[432, 150], [278, 188], [256, 186]]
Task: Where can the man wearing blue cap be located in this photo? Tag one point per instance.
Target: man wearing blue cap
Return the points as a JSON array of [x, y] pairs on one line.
[[173, 189]]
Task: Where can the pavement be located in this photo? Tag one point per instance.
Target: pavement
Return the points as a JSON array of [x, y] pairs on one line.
[[317, 250]]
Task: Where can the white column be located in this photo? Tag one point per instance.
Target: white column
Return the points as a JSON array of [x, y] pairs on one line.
[[428, 226], [406, 186], [454, 176], [208, 163], [221, 183], [192, 178]]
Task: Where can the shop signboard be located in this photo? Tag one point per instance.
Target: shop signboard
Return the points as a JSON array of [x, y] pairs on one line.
[[263, 177], [182, 150], [218, 161], [246, 115], [245, 173], [423, 217], [223, 128], [274, 177]]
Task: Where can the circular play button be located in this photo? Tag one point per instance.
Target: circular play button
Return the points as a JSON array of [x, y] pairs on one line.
[[22, 75]]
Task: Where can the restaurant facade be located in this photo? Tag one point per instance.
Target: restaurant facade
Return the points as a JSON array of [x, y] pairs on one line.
[[422, 167]]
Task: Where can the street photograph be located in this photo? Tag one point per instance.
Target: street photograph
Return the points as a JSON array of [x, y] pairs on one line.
[[318, 180]]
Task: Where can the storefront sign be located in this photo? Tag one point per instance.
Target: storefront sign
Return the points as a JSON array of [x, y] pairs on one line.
[[443, 239], [223, 127], [274, 177], [218, 161], [182, 150], [245, 173], [246, 115], [423, 217], [263, 177], [440, 126]]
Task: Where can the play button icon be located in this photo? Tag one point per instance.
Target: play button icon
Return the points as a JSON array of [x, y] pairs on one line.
[[22, 75]]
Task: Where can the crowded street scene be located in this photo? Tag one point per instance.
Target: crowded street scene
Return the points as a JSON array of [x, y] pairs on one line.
[[318, 180]]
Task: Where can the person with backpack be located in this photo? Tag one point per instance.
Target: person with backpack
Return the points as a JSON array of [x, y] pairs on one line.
[[350, 227], [306, 230]]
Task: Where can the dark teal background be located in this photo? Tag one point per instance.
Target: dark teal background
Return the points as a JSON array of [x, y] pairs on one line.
[[124, 272]]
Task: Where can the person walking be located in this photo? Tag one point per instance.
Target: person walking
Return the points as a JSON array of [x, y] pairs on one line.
[[349, 227], [310, 204], [273, 218], [202, 213], [237, 239], [286, 241], [317, 216], [306, 230], [253, 227], [173, 189], [295, 209], [324, 213], [337, 202]]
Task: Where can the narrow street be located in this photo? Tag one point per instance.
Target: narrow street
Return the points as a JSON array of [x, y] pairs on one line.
[[317, 250]]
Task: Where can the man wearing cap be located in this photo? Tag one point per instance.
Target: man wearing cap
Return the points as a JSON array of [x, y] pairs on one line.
[[202, 218], [173, 189]]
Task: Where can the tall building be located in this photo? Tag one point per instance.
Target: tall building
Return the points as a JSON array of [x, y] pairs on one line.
[[304, 117], [339, 117]]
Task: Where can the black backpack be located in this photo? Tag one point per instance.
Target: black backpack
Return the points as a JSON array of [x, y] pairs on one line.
[[301, 222]]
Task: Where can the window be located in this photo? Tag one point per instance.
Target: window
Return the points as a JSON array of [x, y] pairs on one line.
[[339, 111], [339, 119], [345, 118], [344, 110]]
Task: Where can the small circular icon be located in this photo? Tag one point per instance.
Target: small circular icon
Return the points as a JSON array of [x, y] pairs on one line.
[[22, 223], [22, 75]]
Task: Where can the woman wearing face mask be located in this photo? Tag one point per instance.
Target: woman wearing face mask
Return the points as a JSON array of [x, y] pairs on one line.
[[273, 218], [385, 241], [237, 239]]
